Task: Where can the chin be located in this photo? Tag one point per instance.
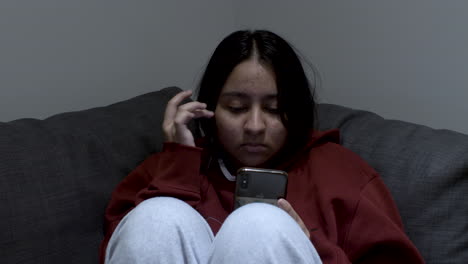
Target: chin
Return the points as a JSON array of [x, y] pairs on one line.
[[258, 163]]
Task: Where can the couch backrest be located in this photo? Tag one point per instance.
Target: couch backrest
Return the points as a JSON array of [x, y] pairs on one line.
[[425, 169], [57, 174]]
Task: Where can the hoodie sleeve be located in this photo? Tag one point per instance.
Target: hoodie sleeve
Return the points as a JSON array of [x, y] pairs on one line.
[[174, 172], [376, 233]]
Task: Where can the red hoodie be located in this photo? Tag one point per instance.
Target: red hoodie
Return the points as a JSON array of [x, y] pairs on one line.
[[350, 213]]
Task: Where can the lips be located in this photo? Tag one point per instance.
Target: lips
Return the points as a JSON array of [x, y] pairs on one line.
[[254, 147]]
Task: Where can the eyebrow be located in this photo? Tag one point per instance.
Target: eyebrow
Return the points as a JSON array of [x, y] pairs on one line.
[[246, 96]]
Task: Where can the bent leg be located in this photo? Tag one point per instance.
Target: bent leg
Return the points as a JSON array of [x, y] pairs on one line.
[[160, 230], [262, 233]]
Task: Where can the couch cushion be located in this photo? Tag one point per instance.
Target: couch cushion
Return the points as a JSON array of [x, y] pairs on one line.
[[425, 169], [57, 174]]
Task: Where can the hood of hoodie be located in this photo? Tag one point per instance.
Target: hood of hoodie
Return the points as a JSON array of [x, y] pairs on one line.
[[316, 138]]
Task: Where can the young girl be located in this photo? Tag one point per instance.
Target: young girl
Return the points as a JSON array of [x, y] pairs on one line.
[[255, 109]]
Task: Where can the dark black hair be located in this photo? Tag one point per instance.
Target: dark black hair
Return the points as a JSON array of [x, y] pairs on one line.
[[296, 103]]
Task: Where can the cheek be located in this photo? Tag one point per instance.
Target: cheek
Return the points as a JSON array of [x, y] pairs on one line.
[[278, 132], [226, 127]]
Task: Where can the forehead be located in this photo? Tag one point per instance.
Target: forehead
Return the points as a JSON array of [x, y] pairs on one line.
[[252, 79]]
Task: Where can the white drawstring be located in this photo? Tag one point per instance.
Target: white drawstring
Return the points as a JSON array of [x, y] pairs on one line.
[[225, 171]]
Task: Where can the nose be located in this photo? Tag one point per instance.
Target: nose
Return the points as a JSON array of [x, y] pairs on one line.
[[255, 122]]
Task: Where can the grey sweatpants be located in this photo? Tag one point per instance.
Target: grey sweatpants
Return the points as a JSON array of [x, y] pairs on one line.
[[167, 230]]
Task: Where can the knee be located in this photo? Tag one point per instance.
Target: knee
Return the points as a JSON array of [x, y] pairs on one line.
[[161, 210], [267, 230], [259, 218], [161, 203], [263, 228], [149, 221]]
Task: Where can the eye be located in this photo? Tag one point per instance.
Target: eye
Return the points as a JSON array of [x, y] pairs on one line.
[[272, 110], [237, 109]]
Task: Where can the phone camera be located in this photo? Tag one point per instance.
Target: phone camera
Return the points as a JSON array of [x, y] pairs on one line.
[[244, 181]]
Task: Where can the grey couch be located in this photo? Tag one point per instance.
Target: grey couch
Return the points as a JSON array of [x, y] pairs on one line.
[[57, 174]]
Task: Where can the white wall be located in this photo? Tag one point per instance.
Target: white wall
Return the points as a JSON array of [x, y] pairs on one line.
[[64, 55], [402, 59]]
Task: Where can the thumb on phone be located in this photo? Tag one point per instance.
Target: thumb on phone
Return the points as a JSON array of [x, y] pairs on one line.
[[286, 206]]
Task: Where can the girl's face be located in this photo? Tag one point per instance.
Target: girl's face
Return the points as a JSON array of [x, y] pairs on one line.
[[248, 124]]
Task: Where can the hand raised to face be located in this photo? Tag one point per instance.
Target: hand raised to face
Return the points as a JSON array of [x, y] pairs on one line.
[[178, 115]]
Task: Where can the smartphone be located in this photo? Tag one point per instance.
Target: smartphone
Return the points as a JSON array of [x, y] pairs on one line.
[[259, 185]]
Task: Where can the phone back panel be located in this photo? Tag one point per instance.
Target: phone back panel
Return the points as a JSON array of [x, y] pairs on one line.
[[259, 185]]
